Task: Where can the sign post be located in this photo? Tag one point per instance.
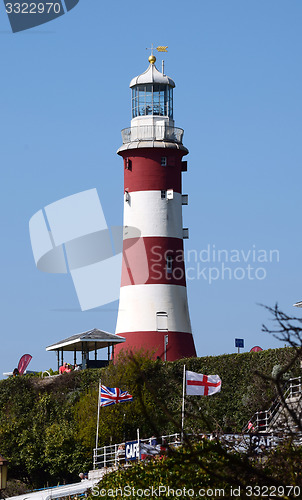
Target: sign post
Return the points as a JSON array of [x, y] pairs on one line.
[[166, 343], [239, 343]]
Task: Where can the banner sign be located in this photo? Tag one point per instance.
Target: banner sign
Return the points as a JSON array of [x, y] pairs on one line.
[[257, 443], [132, 450], [261, 442], [149, 450], [23, 363]]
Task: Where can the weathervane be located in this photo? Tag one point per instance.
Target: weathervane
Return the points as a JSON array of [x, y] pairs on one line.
[[160, 48]]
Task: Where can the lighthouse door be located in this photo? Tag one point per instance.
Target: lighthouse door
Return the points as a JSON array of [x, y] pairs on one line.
[[162, 321]]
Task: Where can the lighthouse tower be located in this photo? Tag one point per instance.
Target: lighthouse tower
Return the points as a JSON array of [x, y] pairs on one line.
[[153, 308]]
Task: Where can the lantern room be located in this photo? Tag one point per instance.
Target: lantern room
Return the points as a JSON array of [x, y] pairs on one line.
[[152, 95], [152, 100]]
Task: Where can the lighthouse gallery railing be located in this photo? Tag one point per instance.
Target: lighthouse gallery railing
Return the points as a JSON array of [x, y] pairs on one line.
[[152, 133]]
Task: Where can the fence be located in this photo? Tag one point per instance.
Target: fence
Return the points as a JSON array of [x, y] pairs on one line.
[[107, 456], [262, 421], [152, 133]]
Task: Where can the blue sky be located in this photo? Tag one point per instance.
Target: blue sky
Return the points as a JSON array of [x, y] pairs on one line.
[[64, 99]]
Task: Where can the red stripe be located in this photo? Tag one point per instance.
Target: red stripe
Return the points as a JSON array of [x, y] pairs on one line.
[[147, 173], [196, 382], [145, 261], [181, 344]]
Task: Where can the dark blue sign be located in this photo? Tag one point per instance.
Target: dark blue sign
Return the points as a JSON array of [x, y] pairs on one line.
[[25, 15], [239, 342], [132, 450]]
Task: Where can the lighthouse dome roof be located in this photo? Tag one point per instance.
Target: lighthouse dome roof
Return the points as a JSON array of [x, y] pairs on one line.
[[152, 75]]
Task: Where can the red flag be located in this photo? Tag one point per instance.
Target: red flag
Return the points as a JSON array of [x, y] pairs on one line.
[[24, 362], [256, 349]]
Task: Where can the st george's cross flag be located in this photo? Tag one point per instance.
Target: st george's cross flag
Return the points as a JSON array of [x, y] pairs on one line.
[[112, 396], [202, 385]]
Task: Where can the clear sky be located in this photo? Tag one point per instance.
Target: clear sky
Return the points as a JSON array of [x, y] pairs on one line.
[[64, 99]]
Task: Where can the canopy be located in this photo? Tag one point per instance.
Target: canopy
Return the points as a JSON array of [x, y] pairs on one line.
[[87, 341]]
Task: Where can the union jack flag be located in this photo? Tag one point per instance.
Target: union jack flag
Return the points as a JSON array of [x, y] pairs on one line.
[[113, 396]]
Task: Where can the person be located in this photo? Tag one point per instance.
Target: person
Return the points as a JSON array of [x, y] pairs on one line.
[[64, 368], [163, 447], [120, 454], [76, 367], [16, 372], [250, 427], [153, 441], [83, 475]]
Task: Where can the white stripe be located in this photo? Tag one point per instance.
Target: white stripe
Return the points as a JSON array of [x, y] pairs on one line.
[[139, 304], [152, 215]]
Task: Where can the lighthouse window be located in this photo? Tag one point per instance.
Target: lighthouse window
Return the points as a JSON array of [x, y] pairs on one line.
[[163, 161], [161, 321], [148, 100], [128, 164], [156, 100], [169, 262], [170, 103], [163, 195]]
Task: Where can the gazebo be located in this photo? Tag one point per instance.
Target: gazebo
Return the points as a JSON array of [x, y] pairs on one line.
[[85, 343]]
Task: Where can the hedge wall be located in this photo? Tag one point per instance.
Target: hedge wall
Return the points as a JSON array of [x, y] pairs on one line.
[[47, 426]]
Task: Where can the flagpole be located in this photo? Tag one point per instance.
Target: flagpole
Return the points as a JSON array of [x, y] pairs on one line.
[[183, 404], [138, 445], [97, 426]]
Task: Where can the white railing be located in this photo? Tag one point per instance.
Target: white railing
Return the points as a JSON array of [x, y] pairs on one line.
[[262, 421], [108, 456], [152, 133]]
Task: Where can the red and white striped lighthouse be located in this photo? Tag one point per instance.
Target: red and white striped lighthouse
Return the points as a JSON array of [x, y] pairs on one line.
[[153, 308]]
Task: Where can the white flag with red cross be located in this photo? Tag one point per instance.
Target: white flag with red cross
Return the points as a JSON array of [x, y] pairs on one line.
[[202, 385]]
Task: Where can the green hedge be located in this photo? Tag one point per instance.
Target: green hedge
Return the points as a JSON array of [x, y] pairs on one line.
[[47, 426]]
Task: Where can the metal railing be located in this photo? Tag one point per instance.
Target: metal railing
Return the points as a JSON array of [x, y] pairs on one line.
[[107, 456], [152, 133], [262, 421]]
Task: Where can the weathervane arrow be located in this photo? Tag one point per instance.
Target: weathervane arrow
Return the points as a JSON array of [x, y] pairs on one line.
[[160, 48]]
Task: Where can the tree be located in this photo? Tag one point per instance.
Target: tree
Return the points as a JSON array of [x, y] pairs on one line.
[[208, 466], [289, 330]]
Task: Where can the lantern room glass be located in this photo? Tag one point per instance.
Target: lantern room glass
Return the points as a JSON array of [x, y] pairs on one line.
[[155, 100]]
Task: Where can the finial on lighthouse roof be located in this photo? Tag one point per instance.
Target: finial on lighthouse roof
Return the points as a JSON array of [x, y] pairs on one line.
[[152, 59], [160, 48]]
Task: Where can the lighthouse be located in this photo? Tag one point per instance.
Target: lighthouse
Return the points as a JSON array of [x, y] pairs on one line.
[[153, 310]]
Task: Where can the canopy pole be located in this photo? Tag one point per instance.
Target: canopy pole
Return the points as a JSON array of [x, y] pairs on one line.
[[58, 358]]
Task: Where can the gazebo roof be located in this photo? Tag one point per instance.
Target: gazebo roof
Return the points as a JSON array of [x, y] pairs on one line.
[[91, 340]]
